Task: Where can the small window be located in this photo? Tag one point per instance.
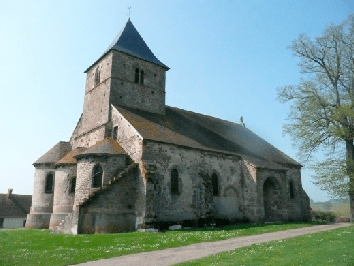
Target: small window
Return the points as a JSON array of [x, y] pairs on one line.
[[215, 184], [142, 77], [97, 176], [73, 185], [137, 75], [291, 190], [49, 182], [97, 77], [174, 182], [115, 133], [1, 222]]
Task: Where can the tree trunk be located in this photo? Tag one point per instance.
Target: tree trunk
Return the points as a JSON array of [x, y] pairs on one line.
[[350, 171]]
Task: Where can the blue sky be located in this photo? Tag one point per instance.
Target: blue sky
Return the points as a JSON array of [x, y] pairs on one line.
[[226, 57]]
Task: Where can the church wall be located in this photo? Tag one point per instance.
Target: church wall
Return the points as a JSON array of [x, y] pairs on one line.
[[89, 139], [149, 96], [128, 137], [85, 165], [96, 107], [42, 202], [299, 205], [63, 199], [280, 196], [112, 211], [105, 67], [96, 99], [252, 207], [195, 199]]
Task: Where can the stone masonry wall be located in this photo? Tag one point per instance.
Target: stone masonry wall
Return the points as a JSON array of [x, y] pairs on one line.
[[63, 198], [252, 209], [42, 202], [105, 68], [112, 211], [149, 96], [96, 99], [128, 137], [299, 206], [110, 165], [279, 196], [195, 199], [88, 139], [96, 107]]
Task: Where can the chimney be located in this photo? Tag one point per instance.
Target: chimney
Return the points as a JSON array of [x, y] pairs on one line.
[[9, 192]]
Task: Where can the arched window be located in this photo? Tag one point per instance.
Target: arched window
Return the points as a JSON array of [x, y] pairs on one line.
[[174, 182], [97, 77], [215, 184], [97, 176], [73, 185], [291, 190], [137, 75], [115, 133], [49, 182], [142, 77]]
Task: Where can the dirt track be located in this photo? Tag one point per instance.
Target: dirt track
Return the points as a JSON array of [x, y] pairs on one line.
[[172, 256]]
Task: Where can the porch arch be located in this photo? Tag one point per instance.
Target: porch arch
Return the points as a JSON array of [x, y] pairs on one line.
[[272, 200]]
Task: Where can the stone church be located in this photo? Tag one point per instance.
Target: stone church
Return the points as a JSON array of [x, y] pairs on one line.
[[134, 163]]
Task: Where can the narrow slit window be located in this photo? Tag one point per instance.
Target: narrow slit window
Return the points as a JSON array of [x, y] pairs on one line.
[[97, 176], [215, 184], [115, 133], [291, 190], [174, 182], [137, 75], [97, 77], [142, 77], [49, 182], [73, 185]]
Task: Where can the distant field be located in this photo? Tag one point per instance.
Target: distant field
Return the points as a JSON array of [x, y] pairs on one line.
[[341, 209]]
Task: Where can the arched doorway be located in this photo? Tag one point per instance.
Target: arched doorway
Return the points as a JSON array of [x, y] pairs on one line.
[[272, 199]]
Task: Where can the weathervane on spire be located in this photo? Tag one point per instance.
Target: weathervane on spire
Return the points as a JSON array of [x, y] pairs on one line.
[[129, 12]]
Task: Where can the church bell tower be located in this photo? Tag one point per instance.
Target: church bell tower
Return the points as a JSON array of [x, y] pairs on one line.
[[128, 75]]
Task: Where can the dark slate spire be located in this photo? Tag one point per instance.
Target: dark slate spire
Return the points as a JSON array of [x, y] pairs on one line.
[[129, 41]]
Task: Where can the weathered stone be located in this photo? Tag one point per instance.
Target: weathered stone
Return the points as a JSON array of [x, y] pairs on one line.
[[174, 166]]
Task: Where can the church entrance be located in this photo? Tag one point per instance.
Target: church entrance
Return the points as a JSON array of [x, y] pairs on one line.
[[272, 199]]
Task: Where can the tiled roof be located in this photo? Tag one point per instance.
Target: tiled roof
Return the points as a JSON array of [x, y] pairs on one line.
[[129, 41], [58, 151], [194, 130], [70, 157], [17, 206], [104, 147]]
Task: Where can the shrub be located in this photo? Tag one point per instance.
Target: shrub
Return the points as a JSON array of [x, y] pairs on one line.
[[324, 216]]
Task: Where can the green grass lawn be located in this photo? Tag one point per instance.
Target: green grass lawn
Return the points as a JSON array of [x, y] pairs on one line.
[[41, 247], [333, 247]]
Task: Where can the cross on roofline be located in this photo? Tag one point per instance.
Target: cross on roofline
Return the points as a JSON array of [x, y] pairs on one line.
[[129, 12]]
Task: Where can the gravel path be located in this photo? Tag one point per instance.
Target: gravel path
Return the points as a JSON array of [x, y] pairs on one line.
[[172, 256]]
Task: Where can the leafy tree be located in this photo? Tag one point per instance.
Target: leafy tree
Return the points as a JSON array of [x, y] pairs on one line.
[[321, 117]]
